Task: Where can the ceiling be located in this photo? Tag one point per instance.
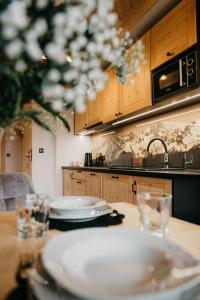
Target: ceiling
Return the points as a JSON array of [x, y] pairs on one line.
[[138, 16]]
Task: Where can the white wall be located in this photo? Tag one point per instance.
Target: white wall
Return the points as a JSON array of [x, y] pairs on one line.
[[69, 148], [43, 164], [59, 151]]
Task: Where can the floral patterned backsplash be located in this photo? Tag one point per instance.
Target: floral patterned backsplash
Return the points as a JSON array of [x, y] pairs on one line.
[[180, 130]]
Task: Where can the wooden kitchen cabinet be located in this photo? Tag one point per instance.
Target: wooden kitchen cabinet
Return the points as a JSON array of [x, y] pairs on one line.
[[79, 188], [110, 98], [94, 184], [130, 12], [153, 185], [174, 33], [137, 95], [117, 188], [67, 182], [94, 111], [74, 182], [79, 175], [80, 122]]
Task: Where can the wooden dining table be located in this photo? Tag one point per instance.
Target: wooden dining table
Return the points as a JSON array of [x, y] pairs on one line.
[[186, 235]]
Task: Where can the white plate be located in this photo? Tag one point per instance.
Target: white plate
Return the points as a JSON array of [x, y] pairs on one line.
[[83, 215], [117, 264], [70, 204]]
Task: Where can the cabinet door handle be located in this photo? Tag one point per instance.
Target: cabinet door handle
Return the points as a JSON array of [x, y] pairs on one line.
[[134, 188], [116, 115], [79, 182], [169, 53], [71, 176], [115, 177], [92, 174], [79, 171]]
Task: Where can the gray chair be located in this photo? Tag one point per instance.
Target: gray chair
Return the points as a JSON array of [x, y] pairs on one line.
[[14, 185]]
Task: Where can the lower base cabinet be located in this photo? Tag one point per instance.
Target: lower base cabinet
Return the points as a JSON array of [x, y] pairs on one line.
[[112, 187], [94, 184], [152, 185], [117, 188]]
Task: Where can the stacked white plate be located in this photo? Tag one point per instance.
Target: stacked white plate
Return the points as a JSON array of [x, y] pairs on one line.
[[119, 264], [78, 208]]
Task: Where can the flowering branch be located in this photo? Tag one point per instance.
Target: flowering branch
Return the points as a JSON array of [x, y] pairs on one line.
[[54, 52]]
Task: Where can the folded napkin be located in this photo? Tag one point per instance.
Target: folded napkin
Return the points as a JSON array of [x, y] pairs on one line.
[[113, 218]]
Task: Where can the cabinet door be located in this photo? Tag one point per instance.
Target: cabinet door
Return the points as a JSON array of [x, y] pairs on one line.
[[80, 121], [131, 12], [117, 188], [94, 184], [153, 185], [67, 182], [79, 175], [94, 111], [79, 188], [174, 33], [110, 98], [137, 95]]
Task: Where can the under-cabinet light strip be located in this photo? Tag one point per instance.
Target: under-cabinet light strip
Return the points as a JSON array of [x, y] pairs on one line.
[[87, 132], [157, 109], [169, 117], [108, 133]]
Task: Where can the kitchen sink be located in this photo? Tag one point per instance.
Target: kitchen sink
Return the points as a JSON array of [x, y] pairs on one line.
[[153, 168]]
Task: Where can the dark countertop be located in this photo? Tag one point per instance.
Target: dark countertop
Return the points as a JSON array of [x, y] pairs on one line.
[[148, 172]]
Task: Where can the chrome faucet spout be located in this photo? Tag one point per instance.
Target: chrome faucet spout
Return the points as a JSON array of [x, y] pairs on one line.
[[166, 156]]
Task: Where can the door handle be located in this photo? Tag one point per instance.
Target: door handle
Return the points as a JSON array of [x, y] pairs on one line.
[[180, 73], [115, 177]]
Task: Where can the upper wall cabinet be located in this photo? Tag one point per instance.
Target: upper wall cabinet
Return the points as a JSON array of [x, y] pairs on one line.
[[130, 12], [174, 33], [110, 98], [94, 111], [91, 116], [137, 95], [80, 122]]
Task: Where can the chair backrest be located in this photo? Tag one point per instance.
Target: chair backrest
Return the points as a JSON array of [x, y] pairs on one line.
[[13, 185]]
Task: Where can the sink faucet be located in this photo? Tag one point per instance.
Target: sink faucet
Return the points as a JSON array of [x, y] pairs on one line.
[[166, 156]]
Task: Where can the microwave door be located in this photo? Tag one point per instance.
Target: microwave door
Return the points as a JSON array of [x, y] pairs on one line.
[[169, 79]]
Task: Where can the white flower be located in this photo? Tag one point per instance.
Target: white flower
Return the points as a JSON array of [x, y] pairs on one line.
[[76, 62], [59, 19], [69, 95], [58, 91], [16, 15], [112, 19], [91, 94], [54, 75], [40, 26], [91, 47], [70, 75], [47, 91], [20, 66], [99, 86], [34, 51], [55, 52], [57, 105], [9, 32], [80, 106], [41, 4], [14, 49]]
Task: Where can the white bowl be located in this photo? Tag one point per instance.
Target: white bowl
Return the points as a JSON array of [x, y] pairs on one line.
[[117, 264]]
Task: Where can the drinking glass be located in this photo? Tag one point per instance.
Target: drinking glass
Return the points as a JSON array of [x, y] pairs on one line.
[[32, 215], [187, 159], [154, 210]]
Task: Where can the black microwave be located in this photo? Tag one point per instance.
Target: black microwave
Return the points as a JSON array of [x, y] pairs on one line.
[[175, 76]]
